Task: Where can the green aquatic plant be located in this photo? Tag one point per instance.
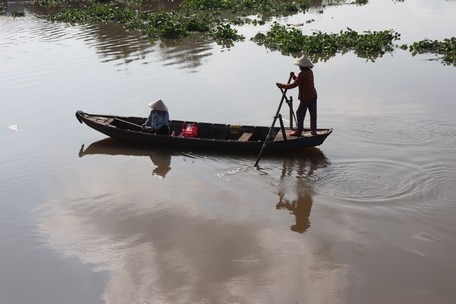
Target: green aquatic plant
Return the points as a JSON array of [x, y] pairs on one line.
[[291, 41], [156, 24], [226, 32], [165, 24], [446, 49], [215, 18], [246, 7]]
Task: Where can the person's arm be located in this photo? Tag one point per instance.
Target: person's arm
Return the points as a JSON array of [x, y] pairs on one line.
[[292, 75], [292, 85]]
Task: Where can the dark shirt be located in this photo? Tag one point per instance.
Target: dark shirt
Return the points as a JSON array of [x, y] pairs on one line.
[[157, 119]]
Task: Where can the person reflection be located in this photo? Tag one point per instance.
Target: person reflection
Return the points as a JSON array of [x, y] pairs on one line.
[[304, 169], [300, 208], [162, 161]]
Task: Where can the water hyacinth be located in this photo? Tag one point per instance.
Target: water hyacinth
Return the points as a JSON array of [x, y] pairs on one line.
[[446, 49], [291, 41], [215, 18]]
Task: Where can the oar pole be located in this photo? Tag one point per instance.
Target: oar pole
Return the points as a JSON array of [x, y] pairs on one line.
[[284, 97]]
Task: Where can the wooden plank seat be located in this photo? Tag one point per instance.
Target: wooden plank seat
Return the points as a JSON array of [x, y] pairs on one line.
[[245, 136], [279, 136]]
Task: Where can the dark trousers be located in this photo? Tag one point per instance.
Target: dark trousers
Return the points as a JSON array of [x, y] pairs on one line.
[[164, 130], [310, 105]]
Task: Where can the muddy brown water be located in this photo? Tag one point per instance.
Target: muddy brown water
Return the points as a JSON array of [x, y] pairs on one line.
[[368, 217]]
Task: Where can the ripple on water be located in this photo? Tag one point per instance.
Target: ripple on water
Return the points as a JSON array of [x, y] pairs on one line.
[[400, 132], [373, 181]]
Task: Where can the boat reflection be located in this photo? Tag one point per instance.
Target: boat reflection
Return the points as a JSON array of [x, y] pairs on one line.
[[153, 243], [302, 171], [161, 158], [295, 189]]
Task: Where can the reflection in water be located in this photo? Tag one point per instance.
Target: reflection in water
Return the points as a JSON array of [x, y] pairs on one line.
[[11, 7], [304, 168], [114, 43], [162, 161], [187, 53], [200, 244], [302, 165], [300, 208], [160, 158]]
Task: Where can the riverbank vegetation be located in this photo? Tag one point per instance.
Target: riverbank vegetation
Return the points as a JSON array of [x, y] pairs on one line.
[[217, 20]]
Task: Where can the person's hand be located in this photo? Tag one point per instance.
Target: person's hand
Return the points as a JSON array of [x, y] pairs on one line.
[[279, 85]]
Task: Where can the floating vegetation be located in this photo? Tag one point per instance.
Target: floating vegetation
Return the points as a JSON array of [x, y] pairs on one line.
[[291, 41], [248, 7], [215, 19], [446, 49]]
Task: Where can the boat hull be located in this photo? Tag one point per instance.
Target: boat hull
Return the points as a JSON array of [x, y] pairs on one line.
[[212, 136]]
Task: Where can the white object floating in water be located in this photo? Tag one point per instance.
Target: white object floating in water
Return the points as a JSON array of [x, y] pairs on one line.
[[13, 127]]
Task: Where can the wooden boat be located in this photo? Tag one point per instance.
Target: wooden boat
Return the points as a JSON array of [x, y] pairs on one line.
[[210, 136]]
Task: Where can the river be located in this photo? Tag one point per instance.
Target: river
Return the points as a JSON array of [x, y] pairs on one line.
[[368, 217]]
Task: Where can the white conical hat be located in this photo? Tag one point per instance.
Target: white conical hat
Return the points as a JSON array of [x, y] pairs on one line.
[[303, 61], [158, 105]]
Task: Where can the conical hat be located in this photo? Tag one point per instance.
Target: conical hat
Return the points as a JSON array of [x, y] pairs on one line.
[[158, 105], [303, 61]]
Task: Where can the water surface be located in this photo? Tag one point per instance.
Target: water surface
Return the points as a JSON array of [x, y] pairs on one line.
[[368, 217]]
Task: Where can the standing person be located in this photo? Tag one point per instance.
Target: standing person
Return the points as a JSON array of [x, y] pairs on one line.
[[158, 120], [307, 94]]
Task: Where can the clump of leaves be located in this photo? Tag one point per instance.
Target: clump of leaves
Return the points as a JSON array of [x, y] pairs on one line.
[[164, 24], [446, 49], [226, 32], [291, 41]]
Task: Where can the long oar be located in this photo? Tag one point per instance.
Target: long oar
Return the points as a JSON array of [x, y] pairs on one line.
[[284, 92], [290, 105]]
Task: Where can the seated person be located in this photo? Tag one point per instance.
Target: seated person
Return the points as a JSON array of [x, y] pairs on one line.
[[158, 120]]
